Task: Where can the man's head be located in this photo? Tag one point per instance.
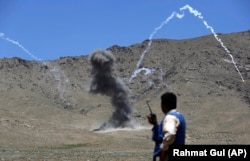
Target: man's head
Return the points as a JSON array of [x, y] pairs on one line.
[[168, 102]]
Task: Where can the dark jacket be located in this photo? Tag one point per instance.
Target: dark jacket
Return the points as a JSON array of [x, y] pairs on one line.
[[157, 133]]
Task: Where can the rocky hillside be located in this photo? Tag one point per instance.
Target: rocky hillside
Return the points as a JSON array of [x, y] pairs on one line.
[[200, 59], [211, 93]]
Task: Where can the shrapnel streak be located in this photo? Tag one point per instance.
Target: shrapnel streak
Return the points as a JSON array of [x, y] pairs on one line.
[[180, 16], [55, 70], [198, 14]]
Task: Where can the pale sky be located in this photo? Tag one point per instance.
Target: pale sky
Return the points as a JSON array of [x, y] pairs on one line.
[[49, 29]]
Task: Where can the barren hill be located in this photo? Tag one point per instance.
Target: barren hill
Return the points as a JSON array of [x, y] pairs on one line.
[[46, 105]]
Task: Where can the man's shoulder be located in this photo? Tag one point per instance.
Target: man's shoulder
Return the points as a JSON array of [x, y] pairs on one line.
[[176, 114]]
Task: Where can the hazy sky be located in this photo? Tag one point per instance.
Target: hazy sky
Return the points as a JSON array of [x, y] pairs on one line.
[[50, 29]]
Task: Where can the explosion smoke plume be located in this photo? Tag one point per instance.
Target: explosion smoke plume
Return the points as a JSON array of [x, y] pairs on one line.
[[104, 82]]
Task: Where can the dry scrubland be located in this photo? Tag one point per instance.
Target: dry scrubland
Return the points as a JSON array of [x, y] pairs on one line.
[[46, 112]]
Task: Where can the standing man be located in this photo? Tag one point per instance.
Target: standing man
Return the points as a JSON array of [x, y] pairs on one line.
[[171, 130]]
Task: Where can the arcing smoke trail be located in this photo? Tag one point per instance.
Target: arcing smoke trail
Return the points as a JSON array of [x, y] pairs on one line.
[[180, 16], [104, 82], [198, 14], [153, 33], [150, 42], [57, 72], [21, 46]]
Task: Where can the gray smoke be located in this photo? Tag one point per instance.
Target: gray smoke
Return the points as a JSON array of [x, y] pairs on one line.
[[104, 82]]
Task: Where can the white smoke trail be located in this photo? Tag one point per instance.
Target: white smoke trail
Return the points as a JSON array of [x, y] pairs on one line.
[[21, 46], [150, 42], [55, 70], [146, 70], [180, 16], [137, 71], [59, 75], [198, 14], [154, 32]]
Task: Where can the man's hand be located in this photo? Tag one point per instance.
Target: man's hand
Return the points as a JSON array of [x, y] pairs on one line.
[[152, 119]]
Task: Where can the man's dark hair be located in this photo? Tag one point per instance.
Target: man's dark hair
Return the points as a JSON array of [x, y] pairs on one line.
[[169, 100]]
